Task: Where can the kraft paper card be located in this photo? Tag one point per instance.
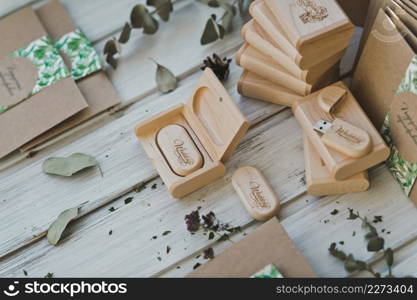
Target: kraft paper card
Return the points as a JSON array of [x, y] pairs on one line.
[[95, 86], [269, 244], [390, 98], [37, 91]]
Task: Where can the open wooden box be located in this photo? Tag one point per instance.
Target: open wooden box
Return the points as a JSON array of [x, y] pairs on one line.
[[214, 126], [308, 112]]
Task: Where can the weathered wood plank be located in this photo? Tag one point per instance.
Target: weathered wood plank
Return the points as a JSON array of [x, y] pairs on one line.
[[262, 142], [28, 205]]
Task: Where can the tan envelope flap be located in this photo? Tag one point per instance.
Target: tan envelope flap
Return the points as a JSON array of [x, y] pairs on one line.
[[403, 125], [18, 77], [215, 118]]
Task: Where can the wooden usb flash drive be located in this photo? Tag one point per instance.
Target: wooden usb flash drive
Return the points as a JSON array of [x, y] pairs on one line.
[[189, 143], [321, 183], [255, 192], [347, 150]]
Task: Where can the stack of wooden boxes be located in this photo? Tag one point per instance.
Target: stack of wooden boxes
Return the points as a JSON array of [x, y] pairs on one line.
[[292, 48]]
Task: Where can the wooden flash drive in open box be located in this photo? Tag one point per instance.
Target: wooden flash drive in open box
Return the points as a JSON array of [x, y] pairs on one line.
[[349, 143], [189, 143]]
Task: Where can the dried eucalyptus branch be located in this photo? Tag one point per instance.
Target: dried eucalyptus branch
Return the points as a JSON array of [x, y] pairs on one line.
[[142, 18], [375, 243]]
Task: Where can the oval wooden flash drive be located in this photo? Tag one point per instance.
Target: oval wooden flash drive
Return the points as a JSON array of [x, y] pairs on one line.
[[179, 150], [344, 138], [255, 193]]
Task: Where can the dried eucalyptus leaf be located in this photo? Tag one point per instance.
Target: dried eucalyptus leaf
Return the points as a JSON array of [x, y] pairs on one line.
[[136, 16], [227, 21], [165, 79], [112, 47], [150, 24], [375, 244], [389, 257], [112, 61], [56, 229], [210, 33], [370, 235], [350, 264], [125, 34], [68, 166], [162, 7], [213, 3]]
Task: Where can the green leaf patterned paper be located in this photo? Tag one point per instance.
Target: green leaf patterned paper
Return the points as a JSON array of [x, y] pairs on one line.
[[409, 82], [80, 50], [403, 171], [270, 271], [51, 66]]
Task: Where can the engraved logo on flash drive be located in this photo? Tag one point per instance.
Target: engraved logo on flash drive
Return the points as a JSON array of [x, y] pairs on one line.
[[344, 138], [181, 153], [179, 150], [257, 195]]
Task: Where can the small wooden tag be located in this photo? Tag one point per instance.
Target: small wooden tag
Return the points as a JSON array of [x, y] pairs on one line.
[[255, 193]]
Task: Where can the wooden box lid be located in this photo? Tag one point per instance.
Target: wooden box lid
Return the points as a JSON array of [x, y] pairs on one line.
[[214, 117], [306, 21]]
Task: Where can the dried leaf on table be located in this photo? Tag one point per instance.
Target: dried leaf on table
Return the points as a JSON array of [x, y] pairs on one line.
[[56, 229], [165, 79], [212, 31], [68, 166], [125, 34], [228, 16], [140, 17], [162, 7]]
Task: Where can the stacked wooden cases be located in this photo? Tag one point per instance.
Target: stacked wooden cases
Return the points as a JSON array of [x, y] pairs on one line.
[[293, 48], [335, 127]]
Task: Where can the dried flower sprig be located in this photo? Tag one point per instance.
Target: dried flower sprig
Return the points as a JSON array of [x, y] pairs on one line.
[[209, 223], [220, 67], [375, 243]]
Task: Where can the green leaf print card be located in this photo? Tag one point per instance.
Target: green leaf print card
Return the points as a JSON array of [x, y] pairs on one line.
[[36, 88]]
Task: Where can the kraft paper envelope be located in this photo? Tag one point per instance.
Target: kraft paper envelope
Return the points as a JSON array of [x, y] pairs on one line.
[[269, 244], [385, 84], [46, 108], [96, 88]]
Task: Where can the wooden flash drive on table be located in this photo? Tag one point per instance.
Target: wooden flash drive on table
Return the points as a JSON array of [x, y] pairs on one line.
[[254, 86], [189, 143], [321, 183], [310, 24], [323, 49], [255, 192], [310, 110]]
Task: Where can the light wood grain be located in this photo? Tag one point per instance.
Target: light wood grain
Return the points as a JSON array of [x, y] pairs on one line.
[[118, 152]]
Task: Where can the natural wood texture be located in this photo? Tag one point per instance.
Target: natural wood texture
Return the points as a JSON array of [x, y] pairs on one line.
[[254, 86], [321, 183], [308, 24], [308, 113], [179, 149], [33, 200], [216, 126], [255, 193]]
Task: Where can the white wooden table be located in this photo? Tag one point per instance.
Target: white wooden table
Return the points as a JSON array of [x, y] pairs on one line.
[[31, 200]]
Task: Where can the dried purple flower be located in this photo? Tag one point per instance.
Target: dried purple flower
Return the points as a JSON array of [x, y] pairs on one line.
[[192, 221]]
